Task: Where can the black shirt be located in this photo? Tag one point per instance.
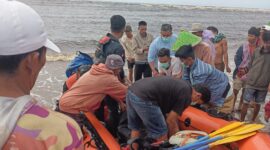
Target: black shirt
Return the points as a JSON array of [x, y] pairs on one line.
[[166, 92], [112, 47]]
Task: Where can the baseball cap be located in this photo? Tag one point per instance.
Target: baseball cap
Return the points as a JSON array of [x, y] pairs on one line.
[[21, 29], [266, 27], [114, 61], [196, 27]]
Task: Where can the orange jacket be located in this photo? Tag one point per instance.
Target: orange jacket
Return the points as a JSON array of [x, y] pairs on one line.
[[90, 89]]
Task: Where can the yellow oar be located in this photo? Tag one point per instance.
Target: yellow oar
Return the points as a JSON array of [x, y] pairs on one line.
[[243, 130], [217, 132], [226, 128], [227, 140], [238, 131]]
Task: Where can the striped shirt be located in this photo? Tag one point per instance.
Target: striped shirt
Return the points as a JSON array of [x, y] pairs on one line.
[[203, 73]]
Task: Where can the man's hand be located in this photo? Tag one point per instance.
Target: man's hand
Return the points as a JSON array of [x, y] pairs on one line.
[[228, 69], [162, 74], [122, 106], [145, 49], [155, 73], [241, 72], [172, 122]]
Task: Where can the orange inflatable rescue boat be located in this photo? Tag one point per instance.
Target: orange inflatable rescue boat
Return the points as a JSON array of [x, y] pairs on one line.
[[191, 119]]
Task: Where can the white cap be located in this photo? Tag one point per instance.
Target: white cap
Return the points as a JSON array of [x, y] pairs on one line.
[[21, 29], [266, 27]]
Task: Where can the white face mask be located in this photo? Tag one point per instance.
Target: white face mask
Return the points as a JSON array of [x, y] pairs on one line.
[[166, 39]]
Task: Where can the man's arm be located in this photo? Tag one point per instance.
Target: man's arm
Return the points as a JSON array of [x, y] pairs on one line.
[[136, 48], [225, 55], [116, 89], [238, 57], [177, 69], [151, 57], [172, 122], [127, 54], [185, 75]]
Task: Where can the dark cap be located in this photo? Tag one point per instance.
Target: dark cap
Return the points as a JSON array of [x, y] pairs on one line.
[[166, 27], [114, 61]]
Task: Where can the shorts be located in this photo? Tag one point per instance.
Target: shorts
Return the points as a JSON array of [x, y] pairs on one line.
[[145, 113], [238, 84], [254, 95], [130, 64]]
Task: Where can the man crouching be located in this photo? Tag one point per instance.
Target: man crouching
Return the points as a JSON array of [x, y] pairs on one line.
[[151, 98]]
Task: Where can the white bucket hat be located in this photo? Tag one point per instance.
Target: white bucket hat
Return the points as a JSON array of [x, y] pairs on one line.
[[196, 27], [21, 29]]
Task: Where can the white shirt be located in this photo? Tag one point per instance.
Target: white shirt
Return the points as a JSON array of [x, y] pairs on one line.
[[175, 68]]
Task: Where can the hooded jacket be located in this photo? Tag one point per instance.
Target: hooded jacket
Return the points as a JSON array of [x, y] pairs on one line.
[[89, 91], [10, 112]]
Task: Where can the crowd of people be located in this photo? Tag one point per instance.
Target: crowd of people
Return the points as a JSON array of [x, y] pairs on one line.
[[161, 82]]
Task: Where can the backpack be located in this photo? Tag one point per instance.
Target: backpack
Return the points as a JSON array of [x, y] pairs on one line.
[[80, 59], [99, 53]]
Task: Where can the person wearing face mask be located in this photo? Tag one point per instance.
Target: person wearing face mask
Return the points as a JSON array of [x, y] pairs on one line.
[[169, 66], [165, 40], [91, 89]]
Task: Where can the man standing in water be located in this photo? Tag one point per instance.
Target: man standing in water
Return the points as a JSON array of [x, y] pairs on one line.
[[222, 58], [24, 124]]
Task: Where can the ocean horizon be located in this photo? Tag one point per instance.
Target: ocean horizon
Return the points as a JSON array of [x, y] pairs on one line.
[[247, 4]]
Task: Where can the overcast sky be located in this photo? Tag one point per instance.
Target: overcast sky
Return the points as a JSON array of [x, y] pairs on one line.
[[265, 4]]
